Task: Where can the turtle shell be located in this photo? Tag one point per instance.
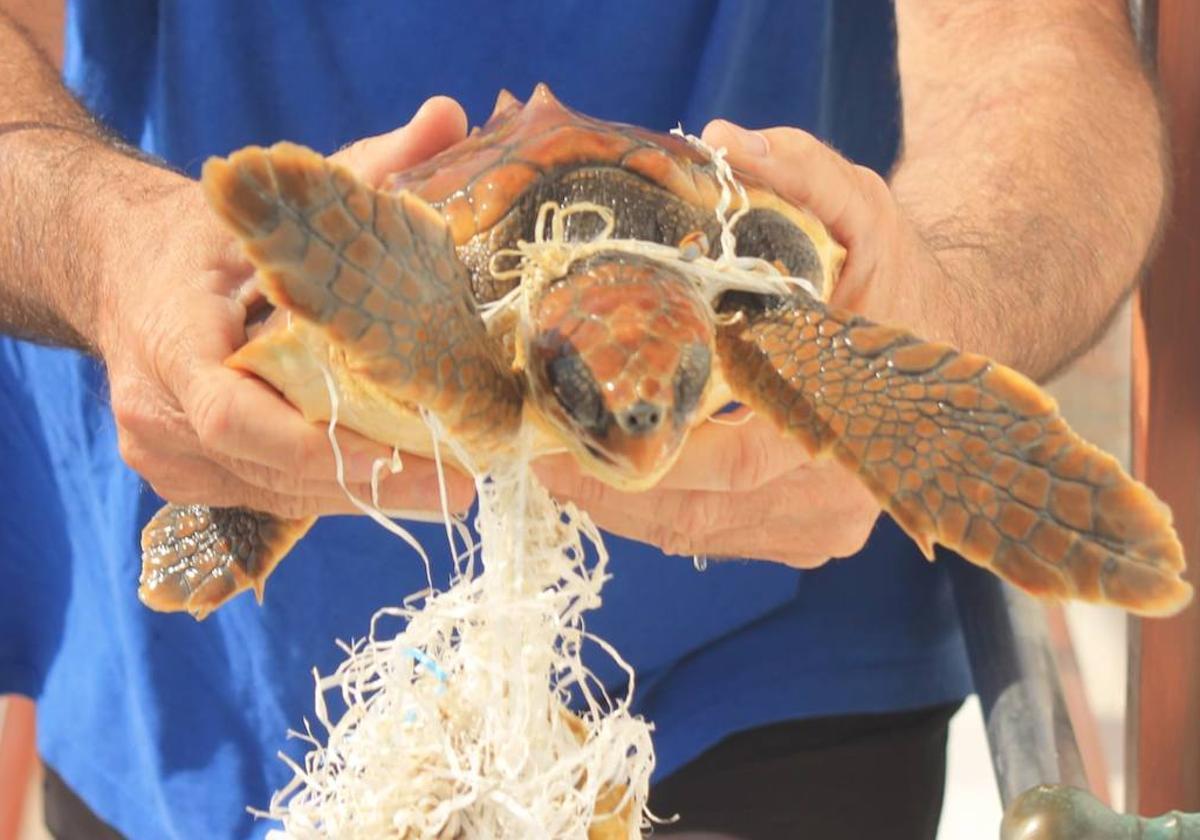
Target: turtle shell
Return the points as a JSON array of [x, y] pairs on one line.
[[661, 188], [489, 188]]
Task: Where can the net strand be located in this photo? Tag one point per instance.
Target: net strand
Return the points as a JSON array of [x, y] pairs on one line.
[[468, 703], [470, 712]]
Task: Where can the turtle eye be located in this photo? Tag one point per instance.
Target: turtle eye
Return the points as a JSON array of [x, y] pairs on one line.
[[691, 378], [577, 393]]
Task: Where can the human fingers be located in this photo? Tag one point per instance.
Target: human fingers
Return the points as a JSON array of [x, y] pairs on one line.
[[819, 510], [242, 425], [847, 198], [273, 446], [239, 417], [438, 123], [734, 453], [803, 541], [415, 485], [783, 539], [188, 479], [852, 201], [635, 513]]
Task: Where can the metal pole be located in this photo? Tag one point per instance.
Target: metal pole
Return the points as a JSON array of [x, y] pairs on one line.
[[1143, 17], [1029, 731]]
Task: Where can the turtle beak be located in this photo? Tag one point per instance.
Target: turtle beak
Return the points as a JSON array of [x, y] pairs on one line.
[[634, 459], [648, 457]]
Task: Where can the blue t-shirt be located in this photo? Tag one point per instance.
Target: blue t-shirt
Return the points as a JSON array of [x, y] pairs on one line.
[[168, 727]]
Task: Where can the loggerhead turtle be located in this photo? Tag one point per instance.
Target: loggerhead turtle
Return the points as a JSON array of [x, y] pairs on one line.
[[622, 356]]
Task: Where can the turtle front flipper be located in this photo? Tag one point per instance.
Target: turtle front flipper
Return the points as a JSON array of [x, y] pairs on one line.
[[960, 450], [196, 558], [378, 274]]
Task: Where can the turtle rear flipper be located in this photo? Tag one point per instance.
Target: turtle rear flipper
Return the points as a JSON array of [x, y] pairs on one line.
[[961, 451], [196, 558], [378, 274]]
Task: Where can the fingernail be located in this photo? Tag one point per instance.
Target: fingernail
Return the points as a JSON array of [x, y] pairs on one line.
[[748, 142]]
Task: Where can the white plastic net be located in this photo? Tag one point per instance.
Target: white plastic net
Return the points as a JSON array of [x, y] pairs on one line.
[[457, 720], [457, 725]]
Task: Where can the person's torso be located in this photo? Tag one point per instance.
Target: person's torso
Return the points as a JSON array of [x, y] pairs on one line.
[[737, 645]]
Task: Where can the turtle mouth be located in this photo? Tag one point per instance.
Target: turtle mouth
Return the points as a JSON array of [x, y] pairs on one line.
[[599, 454], [629, 462]]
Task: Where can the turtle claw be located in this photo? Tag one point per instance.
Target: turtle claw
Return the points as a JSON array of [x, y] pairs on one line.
[[195, 558], [962, 452]]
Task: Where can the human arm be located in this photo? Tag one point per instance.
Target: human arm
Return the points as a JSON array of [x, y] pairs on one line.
[[115, 255], [1027, 196], [1030, 185], [57, 172]]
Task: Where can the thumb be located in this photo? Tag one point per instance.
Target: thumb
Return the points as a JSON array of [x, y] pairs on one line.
[[439, 123]]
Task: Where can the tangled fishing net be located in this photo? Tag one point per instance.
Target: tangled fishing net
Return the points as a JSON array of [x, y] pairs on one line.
[[478, 718]]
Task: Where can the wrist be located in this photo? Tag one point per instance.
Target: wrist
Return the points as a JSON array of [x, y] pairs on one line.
[[927, 296], [141, 209], [899, 281]]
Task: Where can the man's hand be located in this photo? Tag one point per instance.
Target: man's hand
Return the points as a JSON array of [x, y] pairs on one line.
[[199, 431], [739, 489]]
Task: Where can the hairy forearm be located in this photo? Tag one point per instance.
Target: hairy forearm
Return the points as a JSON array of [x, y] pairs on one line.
[[1033, 170], [70, 201]]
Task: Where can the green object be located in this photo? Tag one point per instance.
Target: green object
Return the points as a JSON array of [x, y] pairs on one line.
[[1055, 812]]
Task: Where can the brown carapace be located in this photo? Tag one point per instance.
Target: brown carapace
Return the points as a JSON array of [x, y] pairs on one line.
[[624, 357]]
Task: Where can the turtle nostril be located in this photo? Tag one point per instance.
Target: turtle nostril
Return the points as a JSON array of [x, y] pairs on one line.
[[640, 419]]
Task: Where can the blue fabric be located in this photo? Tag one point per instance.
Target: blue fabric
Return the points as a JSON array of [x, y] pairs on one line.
[[169, 728]]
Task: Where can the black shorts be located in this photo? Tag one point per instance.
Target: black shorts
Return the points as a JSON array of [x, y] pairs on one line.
[[850, 777]]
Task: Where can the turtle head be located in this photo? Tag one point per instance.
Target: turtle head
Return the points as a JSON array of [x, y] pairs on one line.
[[619, 358]]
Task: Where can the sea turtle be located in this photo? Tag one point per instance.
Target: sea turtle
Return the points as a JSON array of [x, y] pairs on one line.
[[622, 356]]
